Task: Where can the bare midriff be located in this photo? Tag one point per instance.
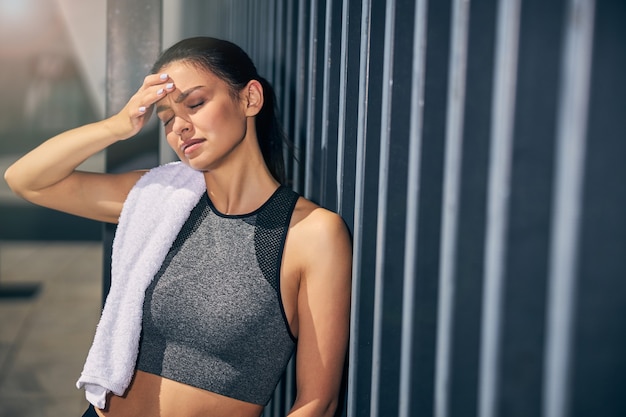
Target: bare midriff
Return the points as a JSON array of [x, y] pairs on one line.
[[154, 396]]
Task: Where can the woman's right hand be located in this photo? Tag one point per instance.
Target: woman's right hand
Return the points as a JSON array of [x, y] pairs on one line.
[[137, 111]]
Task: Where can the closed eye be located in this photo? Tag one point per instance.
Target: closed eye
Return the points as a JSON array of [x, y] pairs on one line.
[[193, 106], [196, 105]]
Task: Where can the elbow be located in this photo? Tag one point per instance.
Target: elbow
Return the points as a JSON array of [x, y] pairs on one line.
[[11, 178], [315, 408], [330, 409], [326, 408]]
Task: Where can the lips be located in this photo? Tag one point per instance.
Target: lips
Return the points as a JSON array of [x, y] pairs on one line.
[[189, 145]]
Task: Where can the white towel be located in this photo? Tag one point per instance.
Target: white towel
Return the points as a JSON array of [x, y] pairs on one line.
[[152, 216]]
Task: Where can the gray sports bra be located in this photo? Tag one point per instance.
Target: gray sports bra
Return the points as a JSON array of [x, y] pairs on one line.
[[213, 316]]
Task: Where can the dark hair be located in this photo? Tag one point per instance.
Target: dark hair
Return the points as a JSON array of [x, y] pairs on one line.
[[231, 64]]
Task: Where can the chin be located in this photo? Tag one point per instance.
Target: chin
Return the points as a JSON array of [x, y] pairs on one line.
[[195, 164]]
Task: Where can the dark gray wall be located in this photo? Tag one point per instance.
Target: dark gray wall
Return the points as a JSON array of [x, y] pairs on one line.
[[475, 149]]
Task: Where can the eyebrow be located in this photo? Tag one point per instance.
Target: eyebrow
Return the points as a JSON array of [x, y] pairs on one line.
[[179, 99]]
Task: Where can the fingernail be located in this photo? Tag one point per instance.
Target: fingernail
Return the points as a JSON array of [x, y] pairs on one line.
[[164, 77], [142, 109], [160, 91], [169, 86]]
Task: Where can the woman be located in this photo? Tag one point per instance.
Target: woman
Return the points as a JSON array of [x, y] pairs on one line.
[[250, 271]]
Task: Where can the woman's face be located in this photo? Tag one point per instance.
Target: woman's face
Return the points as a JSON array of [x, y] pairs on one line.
[[204, 124]]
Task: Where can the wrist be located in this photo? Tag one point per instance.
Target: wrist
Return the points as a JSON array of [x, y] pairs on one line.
[[118, 128]]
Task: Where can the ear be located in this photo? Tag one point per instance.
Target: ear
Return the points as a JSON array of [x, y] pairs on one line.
[[253, 97]]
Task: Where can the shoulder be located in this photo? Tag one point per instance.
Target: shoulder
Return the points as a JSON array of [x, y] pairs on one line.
[[309, 218], [174, 177], [319, 234], [172, 172]]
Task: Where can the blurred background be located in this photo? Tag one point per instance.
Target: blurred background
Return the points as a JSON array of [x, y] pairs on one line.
[[52, 63]]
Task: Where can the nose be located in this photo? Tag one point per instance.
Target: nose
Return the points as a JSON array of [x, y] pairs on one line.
[[182, 127]]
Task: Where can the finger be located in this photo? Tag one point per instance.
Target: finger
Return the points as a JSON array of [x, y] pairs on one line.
[[156, 79], [153, 94], [164, 89]]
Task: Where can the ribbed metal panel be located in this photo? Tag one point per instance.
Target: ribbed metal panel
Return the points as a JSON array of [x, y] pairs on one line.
[[451, 192], [408, 338], [502, 120], [568, 197], [475, 150]]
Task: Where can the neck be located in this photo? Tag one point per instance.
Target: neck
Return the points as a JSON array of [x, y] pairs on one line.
[[242, 189]]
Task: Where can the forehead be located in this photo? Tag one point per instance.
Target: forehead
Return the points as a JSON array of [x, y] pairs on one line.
[[186, 75]]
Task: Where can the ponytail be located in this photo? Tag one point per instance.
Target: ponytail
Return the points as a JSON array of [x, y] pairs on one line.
[[270, 133]]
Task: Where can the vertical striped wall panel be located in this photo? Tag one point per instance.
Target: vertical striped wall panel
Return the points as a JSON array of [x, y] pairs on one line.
[[476, 151]]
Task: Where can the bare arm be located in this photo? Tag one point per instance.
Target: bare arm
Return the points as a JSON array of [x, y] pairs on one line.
[[47, 175], [323, 315]]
